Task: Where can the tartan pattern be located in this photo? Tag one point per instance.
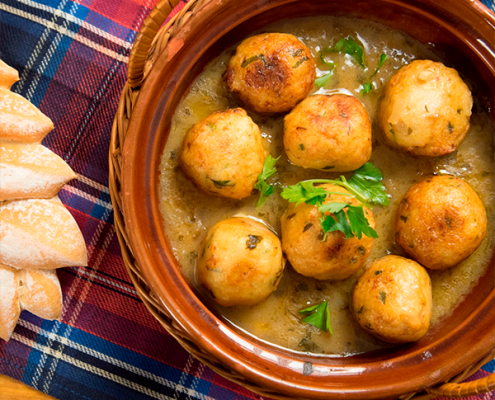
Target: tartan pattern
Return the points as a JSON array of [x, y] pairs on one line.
[[72, 60]]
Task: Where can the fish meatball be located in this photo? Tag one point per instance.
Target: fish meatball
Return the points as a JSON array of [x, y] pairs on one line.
[[271, 72], [425, 110], [223, 154], [330, 133], [240, 262], [440, 222], [392, 300], [333, 258]]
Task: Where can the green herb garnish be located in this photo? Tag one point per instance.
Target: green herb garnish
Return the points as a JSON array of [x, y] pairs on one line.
[[450, 127], [368, 181], [248, 61], [221, 184], [348, 46], [365, 185], [323, 80], [252, 241], [368, 87], [268, 170], [319, 316], [383, 296], [300, 61]]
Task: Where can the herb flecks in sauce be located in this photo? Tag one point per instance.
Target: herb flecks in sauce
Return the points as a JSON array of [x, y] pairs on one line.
[[207, 94]]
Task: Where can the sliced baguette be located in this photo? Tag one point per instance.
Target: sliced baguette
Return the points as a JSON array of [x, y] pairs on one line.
[[30, 171], [40, 234]]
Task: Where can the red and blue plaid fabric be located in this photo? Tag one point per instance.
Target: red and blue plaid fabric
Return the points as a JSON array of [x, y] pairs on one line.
[[72, 60]]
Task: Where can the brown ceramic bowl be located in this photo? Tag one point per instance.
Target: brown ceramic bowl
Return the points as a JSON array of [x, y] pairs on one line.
[[463, 33]]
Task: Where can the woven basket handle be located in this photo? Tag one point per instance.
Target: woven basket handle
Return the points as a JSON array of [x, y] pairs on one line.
[[454, 389], [467, 389], [144, 40]]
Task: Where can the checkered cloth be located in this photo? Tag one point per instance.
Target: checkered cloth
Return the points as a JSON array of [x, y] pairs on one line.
[[72, 59]]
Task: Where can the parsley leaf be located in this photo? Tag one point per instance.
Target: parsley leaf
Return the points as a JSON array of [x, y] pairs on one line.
[[319, 316], [348, 46], [383, 58], [368, 87], [332, 207], [268, 170], [304, 192], [323, 80], [359, 223], [329, 224], [365, 185], [367, 180]]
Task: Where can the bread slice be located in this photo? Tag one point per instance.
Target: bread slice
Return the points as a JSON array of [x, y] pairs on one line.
[[8, 75], [40, 234], [40, 293], [20, 121], [37, 291], [9, 301], [30, 171]]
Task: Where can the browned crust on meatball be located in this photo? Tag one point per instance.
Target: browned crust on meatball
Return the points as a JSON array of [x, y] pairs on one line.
[[425, 109], [440, 222], [270, 73], [212, 154], [392, 300], [328, 132], [335, 258]]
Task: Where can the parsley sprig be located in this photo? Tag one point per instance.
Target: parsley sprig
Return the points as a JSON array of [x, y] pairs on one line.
[[319, 316], [368, 87], [365, 185], [345, 45], [266, 190]]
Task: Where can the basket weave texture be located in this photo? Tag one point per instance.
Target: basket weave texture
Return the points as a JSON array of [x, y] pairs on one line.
[[151, 40]]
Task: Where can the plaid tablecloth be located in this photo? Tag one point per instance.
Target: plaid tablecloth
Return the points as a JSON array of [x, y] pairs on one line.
[[72, 60]]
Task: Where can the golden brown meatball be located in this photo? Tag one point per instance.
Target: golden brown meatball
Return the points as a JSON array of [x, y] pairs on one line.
[[331, 133], [271, 72], [425, 110], [223, 154], [336, 257], [392, 300], [240, 262], [440, 222]]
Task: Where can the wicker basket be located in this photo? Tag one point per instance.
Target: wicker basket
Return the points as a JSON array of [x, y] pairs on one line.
[[150, 41]]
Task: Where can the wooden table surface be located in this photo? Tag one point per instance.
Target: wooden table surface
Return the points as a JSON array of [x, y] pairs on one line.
[[11, 389]]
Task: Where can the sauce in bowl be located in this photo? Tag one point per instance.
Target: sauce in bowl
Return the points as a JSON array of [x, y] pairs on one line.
[[189, 213]]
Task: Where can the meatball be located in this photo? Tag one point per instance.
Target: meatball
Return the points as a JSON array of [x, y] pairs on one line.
[[333, 258], [392, 300], [425, 110], [271, 72], [331, 133], [240, 262], [223, 154], [440, 222]]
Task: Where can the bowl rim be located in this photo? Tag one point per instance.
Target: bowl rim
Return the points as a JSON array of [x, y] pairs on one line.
[[235, 351]]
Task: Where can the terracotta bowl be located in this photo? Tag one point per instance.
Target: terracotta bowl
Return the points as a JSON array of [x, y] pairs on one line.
[[463, 33]]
